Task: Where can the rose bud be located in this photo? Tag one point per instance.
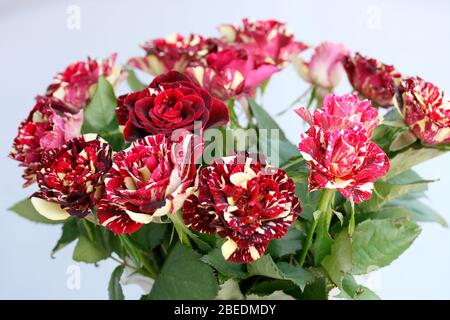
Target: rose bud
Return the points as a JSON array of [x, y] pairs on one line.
[[149, 180], [426, 110], [343, 112], [75, 86], [172, 101], [343, 159], [230, 73], [71, 178], [246, 202], [267, 41], [49, 125], [172, 53], [325, 68], [372, 79]]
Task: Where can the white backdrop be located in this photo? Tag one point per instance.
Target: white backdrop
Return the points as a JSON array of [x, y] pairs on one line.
[[35, 43]]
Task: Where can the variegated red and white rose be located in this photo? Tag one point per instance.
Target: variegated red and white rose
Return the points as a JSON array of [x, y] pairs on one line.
[[71, 180], [174, 52], [246, 202], [231, 73], [425, 109], [49, 125], [75, 86], [324, 69], [149, 180], [373, 79], [267, 41], [342, 112], [343, 159]]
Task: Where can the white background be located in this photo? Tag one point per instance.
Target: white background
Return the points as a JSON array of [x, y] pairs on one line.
[[35, 43]]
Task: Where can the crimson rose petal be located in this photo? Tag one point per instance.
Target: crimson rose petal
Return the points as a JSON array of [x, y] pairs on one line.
[[171, 102]]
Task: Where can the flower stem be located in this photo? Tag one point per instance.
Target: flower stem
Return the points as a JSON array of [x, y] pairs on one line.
[[324, 203]]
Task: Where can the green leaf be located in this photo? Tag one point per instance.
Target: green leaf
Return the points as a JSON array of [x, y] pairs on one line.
[[403, 140], [409, 158], [99, 115], [339, 262], [386, 191], [376, 243], [352, 290], [232, 270], [286, 149], [265, 266], [133, 81], [149, 236], [26, 210], [310, 200], [184, 276], [289, 244], [70, 233], [418, 211], [114, 288], [89, 252]]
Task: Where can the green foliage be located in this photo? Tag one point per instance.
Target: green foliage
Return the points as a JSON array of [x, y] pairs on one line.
[[100, 116], [70, 233], [114, 288], [376, 243], [184, 276]]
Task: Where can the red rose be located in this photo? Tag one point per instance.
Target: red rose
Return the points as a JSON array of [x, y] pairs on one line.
[[172, 53], [148, 180], [75, 85], [372, 79], [343, 112], [231, 73], [71, 178], [267, 41], [426, 110], [343, 159], [172, 101], [246, 202], [49, 125]]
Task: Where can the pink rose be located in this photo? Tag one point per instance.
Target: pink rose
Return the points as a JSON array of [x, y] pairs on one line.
[[325, 66]]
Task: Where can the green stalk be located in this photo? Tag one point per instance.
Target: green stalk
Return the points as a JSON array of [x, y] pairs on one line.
[[324, 205]]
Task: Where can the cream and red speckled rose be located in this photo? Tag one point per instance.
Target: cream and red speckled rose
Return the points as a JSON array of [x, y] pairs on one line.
[[75, 86], [172, 101], [71, 179], [267, 41], [325, 66], [149, 180], [372, 79], [231, 73], [49, 125], [174, 52], [246, 202], [426, 110], [341, 112], [343, 159]]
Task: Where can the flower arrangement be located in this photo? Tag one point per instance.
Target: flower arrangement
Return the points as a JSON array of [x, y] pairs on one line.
[[189, 182]]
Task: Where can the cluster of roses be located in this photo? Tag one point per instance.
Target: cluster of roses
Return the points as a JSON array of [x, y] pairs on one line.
[[246, 202]]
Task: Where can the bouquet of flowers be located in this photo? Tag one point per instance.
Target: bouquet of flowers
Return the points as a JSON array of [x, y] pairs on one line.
[[189, 182]]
